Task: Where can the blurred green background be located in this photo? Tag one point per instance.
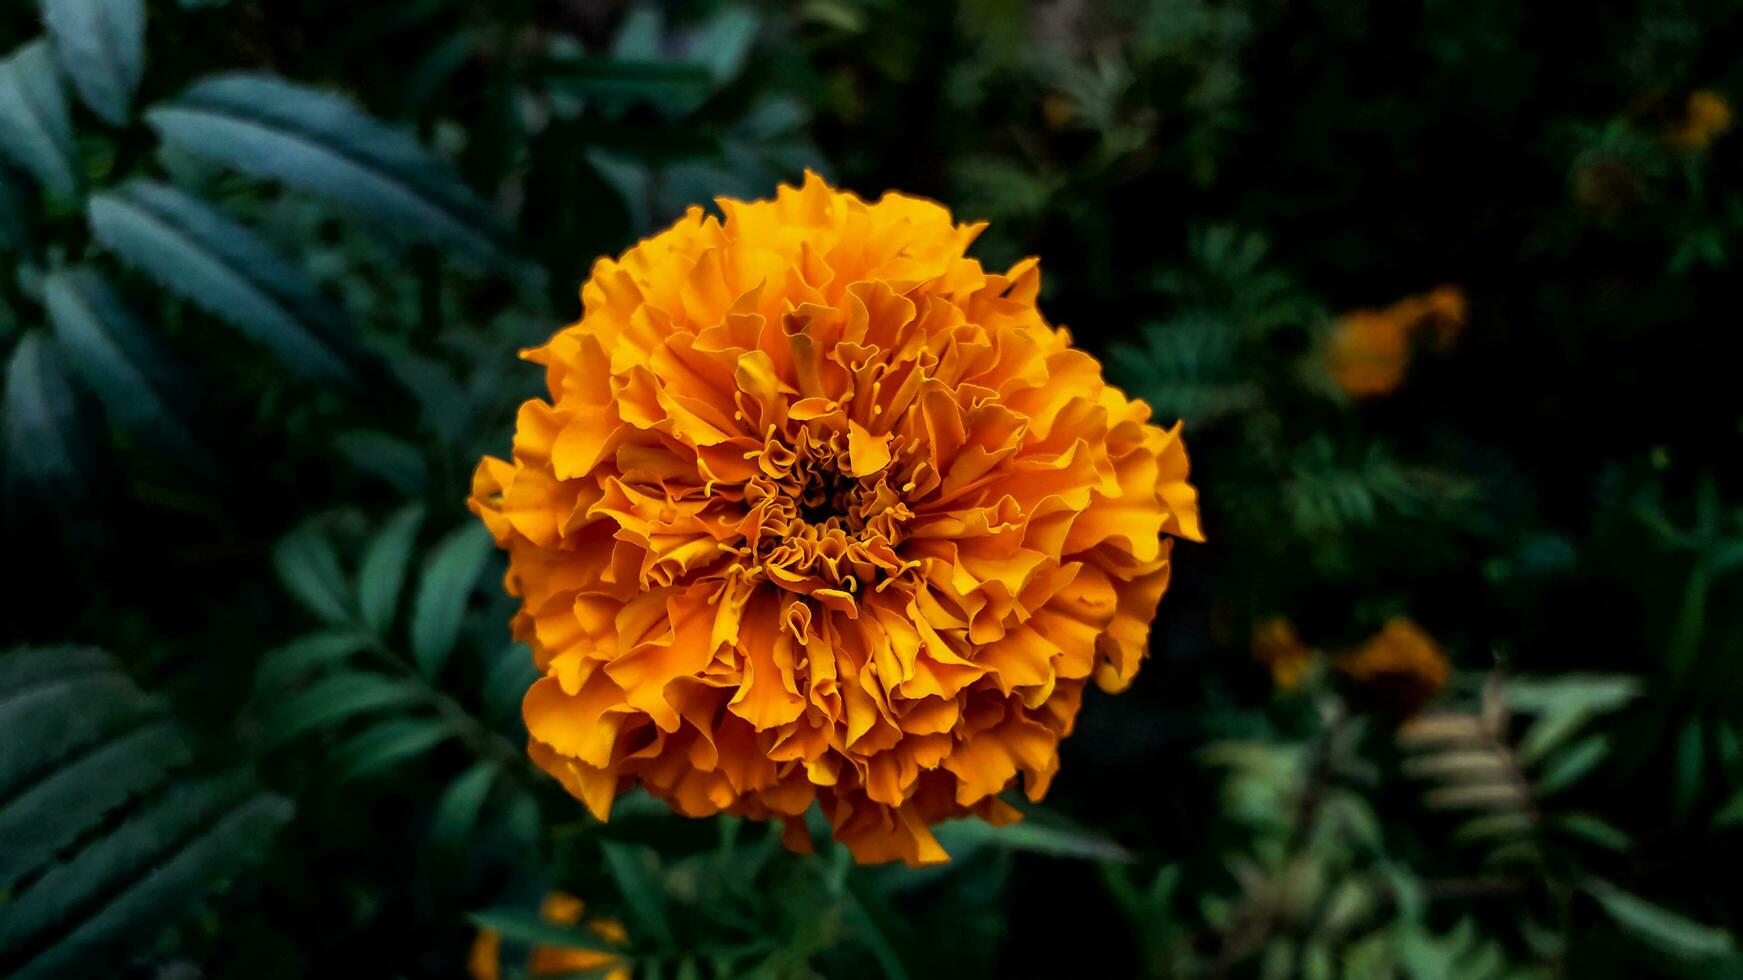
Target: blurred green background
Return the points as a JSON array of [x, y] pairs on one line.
[[1440, 289]]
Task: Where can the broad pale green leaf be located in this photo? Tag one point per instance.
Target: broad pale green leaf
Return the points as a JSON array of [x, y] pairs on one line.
[[382, 571], [458, 810], [1655, 924], [449, 578], [124, 363], [101, 46], [387, 744], [196, 251], [288, 664], [111, 901], [37, 822], [47, 447], [36, 131], [309, 568], [333, 699], [322, 144]]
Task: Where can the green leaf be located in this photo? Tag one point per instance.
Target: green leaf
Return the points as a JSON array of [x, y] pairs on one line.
[[674, 87], [458, 810], [101, 46], [112, 899], [1036, 838], [44, 721], [322, 144], [634, 871], [1731, 813], [1659, 926], [382, 571], [724, 43], [36, 131], [1690, 761], [449, 577], [44, 818], [511, 673], [1592, 830], [333, 699], [288, 664], [523, 927], [14, 214], [309, 568], [194, 250], [34, 665], [47, 451], [395, 461], [1571, 766], [387, 744], [124, 363]]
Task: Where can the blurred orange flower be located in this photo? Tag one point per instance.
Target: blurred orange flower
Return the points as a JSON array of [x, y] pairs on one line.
[[1369, 351], [820, 509], [1705, 116], [546, 961], [1277, 646], [1401, 668]]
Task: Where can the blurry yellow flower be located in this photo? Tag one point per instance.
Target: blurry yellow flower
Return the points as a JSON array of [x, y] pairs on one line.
[[1369, 351], [1706, 115], [564, 910], [1401, 668], [1277, 646], [820, 509]]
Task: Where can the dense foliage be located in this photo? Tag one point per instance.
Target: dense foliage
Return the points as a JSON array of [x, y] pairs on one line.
[[1452, 690]]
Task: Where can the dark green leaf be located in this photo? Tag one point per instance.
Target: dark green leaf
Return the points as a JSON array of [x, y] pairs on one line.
[[36, 131], [194, 250], [40, 723], [321, 144], [286, 665], [333, 699], [1572, 765], [33, 665], [449, 578], [309, 568], [1659, 926], [122, 361], [1592, 830], [14, 214], [634, 871], [674, 87], [47, 450], [398, 463], [724, 43], [523, 927], [38, 822], [386, 744], [458, 810], [382, 571], [101, 45]]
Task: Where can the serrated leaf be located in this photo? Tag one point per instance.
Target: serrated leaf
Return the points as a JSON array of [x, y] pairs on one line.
[[334, 699], [286, 665], [309, 567], [36, 131], [448, 580], [42, 722], [123, 362], [524, 927], [1667, 930], [37, 822], [116, 896], [324, 145], [101, 46], [1573, 765], [386, 744], [382, 571], [458, 810], [395, 461], [194, 250], [46, 446], [633, 871]]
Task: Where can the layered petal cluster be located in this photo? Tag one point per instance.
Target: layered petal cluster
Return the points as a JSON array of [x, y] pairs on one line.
[[821, 510]]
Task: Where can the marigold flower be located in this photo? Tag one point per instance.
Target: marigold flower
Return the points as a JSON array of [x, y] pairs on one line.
[[1401, 668], [819, 509], [1706, 115], [1278, 647], [1369, 351], [550, 961]]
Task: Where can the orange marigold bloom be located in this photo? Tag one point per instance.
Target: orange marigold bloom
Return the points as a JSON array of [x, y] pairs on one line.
[[1369, 351], [1401, 668], [550, 961], [1279, 648], [1704, 118], [819, 509]]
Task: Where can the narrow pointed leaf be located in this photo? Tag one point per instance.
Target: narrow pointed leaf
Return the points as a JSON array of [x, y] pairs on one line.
[[1667, 930], [304, 655], [449, 578], [387, 744], [382, 572], [36, 132], [333, 699], [309, 568], [101, 45], [46, 433], [458, 810]]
